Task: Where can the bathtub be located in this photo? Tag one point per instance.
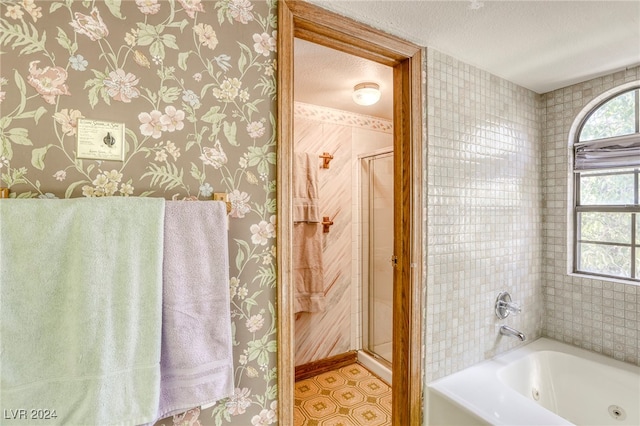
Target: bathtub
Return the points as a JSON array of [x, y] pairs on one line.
[[542, 383]]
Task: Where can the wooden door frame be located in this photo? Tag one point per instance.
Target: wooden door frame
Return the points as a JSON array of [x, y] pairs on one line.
[[312, 23]]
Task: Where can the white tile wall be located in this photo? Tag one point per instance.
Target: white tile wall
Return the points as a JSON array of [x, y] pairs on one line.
[[484, 213], [597, 315], [497, 197]]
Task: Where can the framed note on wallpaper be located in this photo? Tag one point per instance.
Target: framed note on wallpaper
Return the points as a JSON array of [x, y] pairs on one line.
[[100, 140]]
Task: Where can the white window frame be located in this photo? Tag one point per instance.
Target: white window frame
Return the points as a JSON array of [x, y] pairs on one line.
[[633, 209]]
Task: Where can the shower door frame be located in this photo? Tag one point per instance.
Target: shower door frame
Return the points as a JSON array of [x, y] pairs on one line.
[[312, 23], [366, 278]]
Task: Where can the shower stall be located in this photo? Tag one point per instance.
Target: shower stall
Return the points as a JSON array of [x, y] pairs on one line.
[[377, 232]]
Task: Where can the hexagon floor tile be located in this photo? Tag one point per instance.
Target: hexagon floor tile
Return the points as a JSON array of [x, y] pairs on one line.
[[348, 396]]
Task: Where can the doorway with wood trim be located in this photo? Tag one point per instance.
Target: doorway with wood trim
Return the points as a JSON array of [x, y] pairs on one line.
[[311, 23]]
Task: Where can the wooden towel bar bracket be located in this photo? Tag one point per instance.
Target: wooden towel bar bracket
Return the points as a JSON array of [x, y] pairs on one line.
[[326, 223], [326, 158]]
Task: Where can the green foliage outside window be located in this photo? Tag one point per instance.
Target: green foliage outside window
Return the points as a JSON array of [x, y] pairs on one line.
[[608, 189], [608, 209], [605, 260], [605, 227], [617, 117]]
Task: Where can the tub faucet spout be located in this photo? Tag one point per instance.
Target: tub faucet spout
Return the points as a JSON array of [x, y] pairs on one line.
[[505, 330]]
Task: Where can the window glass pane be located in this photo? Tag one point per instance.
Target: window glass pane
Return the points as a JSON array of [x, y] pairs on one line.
[[598, 189], [605, 227], [606, 260], [614, 118], [638, 233]]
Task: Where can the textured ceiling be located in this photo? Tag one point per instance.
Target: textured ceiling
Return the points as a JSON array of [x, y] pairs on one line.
[[540, 45], [326, 77]]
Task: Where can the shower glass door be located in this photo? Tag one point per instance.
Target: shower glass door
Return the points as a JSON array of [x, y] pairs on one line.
[[377, 219]]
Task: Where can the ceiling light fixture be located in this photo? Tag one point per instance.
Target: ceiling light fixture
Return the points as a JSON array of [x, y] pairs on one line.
[[366, 93]]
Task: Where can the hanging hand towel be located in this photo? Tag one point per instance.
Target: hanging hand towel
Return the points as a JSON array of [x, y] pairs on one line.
[[305, 188], [307, 236], [308, 273], [80, 306], [196, 364]]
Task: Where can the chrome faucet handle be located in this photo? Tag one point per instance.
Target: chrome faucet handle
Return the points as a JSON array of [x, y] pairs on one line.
[[504, 306], [512, 307]]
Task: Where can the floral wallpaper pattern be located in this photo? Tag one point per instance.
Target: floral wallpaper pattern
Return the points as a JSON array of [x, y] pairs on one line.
[[194, 83]]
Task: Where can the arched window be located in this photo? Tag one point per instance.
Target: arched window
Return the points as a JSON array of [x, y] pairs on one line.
[[607, 175]]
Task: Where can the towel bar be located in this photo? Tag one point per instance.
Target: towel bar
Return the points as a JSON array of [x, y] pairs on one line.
[[222, 196]]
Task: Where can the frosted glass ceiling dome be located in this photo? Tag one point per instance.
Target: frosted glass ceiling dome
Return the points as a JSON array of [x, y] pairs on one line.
[[366, 93]]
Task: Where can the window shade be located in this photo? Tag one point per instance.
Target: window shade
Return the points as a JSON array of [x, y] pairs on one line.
[[608, 153]]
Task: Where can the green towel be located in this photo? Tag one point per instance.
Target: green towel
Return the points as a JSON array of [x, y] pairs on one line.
[[80, 310]]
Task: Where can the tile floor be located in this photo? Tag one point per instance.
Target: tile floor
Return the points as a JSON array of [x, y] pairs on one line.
[[348, 396]]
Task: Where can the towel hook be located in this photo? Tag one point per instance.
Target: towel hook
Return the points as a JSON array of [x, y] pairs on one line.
[[326, 223], [326, 158]]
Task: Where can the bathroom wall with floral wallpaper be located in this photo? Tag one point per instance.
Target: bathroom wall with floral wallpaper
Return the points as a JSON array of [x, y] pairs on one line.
[[193, 82]]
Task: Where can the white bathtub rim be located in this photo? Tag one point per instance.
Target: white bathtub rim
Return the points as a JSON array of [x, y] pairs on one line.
[[503, 400], [546, 344]]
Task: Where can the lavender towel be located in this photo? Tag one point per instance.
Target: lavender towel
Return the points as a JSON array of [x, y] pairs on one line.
[[196, 361]]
